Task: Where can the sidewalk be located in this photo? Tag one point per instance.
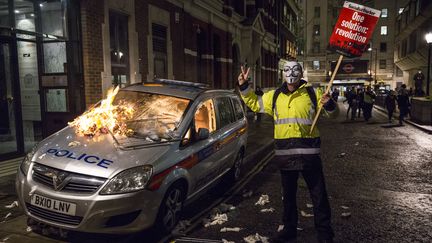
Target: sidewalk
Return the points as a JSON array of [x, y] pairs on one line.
[[424, 128]]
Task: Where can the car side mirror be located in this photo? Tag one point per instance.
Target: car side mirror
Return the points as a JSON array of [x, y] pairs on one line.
[[203, 133]]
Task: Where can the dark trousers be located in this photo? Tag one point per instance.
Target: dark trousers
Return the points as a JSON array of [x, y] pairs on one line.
[[390, 114], [321, 207], [367, 111]]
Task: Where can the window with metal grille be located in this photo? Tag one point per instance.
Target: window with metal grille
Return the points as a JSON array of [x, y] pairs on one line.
[[159, 33]]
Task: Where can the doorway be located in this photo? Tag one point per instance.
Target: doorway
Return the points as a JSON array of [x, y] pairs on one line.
[[9, 100]]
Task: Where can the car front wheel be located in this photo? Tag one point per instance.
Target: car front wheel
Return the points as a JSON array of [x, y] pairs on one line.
[[170, 208]]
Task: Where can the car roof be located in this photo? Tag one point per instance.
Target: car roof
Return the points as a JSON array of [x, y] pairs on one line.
[[177, 88]]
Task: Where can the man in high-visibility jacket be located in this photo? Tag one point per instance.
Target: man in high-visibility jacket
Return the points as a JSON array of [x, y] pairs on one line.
[[293, 107]]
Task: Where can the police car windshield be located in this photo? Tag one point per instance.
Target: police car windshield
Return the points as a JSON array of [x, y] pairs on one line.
[[155, 118]]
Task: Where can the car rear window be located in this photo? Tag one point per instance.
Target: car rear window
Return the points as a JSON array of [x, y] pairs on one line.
[[225, 111], [238, 108]]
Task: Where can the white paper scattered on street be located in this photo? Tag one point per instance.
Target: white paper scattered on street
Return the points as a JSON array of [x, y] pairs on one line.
[[29, 229], [247, 193], [280, 228], [309, 205], [217, 219], [12, 205], [7, 215], [344, 207], [227, 241], [346, 215], [263, 200], [304, 214], [227, 229], [299, 229], [357, 143], [256, 238], [267, 210]]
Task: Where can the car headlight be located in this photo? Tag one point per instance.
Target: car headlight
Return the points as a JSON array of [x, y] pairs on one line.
[[130, 180], [25, 164]]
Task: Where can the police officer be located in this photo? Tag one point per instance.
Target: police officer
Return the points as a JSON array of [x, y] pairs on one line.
[[293, 107]]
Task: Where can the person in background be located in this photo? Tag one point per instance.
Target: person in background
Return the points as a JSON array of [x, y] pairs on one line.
[[390, 104], [360, 101], [368, 102], [403, 103], [351, 98], [335, 94], [297, 149]]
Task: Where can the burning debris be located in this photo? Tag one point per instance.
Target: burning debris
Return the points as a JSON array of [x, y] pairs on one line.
[[105, 118]]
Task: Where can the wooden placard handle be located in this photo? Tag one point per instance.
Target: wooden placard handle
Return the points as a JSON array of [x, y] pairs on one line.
[[327, 91]]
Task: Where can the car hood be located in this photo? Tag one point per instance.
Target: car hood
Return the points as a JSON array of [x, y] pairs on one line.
[[96, 156]]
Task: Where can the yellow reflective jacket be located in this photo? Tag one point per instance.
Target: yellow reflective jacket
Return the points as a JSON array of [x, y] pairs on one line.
[[293, 115]]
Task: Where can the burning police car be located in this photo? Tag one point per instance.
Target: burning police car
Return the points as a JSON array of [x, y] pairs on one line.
[[133, 160]]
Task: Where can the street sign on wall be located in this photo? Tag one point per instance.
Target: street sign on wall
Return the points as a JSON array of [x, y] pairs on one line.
[[351, 67], [353, 29]]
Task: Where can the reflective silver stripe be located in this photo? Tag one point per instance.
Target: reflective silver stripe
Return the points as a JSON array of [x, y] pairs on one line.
[[295, 151], [261, 104], [246, 91], [302, 121]]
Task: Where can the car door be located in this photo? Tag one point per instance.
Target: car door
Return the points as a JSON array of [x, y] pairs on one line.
[[226, 134], [201, 151]]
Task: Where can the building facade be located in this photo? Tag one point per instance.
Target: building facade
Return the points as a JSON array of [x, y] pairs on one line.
[[375, 67], [59, 57], [411, 49]]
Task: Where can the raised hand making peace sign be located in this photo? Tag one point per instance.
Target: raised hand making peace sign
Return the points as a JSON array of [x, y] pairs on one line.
[[243, 75]]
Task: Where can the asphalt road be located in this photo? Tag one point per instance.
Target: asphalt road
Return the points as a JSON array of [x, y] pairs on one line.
[[378, 173]]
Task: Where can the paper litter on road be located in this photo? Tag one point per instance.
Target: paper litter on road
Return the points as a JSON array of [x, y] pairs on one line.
[[309, 205], [180, 227], [344, 207], [12, 205], [223, 207], [227, 241], [256, 238], [247, 193], [341, 155], [304, 214], [267, 210], [227, 229], [357, 143], [217, 219], [299, 229], [346, 215], [264, 199], [4, 239], [280, 228], [29, 229]]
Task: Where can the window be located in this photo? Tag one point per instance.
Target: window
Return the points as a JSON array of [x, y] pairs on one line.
[[383, 47], [382, 64], [316, 47], [384, 30], [317, 11], [316, 65], [384, 13], [238, 108], [119, 47], [53, 22], [316, 30], [205, 116], [399, 72], [159, 40], [225, 111]]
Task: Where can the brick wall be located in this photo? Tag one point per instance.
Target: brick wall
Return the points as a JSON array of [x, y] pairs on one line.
[[92, 17]]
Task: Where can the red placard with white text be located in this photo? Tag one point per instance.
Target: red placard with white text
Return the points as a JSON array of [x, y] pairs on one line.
[[353, 29]]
